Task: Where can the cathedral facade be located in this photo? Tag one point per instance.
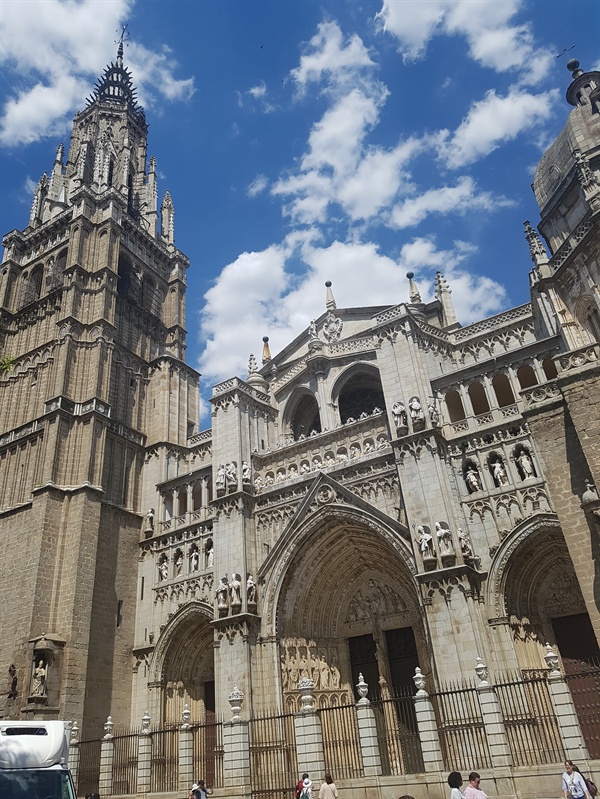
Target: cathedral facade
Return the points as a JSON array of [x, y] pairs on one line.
[[390, 491]]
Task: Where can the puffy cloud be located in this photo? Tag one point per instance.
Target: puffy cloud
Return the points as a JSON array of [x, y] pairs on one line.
[[327, 57], [486, 24], [494, 120], [443, 200], [258, 185], [73, 43]]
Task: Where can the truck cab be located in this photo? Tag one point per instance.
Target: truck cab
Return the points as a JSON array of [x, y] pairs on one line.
[[33, 760]]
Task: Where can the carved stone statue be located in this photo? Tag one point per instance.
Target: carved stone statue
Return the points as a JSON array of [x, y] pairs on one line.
[[472, 480], [425, 542], [235, 590], [220, 478], [434, 414], [230, 474], [399, 414], [466, 548], [194, 561], [499, 473], [149, 525], [210, 553], [38, 683], [246, 472], [251, 592], [163, 570], [178, 563], [415, 410], [312, 329], [222, 595], [444, 537], [525, 465]]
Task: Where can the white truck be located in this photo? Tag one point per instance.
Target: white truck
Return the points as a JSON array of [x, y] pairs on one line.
[[33, 760]]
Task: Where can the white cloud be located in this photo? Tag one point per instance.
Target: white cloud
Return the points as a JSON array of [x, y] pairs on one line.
[[494, 41], [494, 120], [456, 199], [258, 91], [258, 185], [327, 57], [73, 43], [261, 293]]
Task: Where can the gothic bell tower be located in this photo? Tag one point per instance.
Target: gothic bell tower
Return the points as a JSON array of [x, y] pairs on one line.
[[92, 310]]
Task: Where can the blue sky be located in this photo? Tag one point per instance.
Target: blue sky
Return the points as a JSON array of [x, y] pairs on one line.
[[304, 141]]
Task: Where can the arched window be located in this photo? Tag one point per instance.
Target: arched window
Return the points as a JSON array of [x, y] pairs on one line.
[[503, 390], [37, 279], [306, 419], [456, 411], [360, 394], [549, 368], [587, 316], [479, 399], [526, 376], [126, 279]]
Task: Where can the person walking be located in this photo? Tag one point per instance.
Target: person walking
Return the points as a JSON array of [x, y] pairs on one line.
[[455, 781], [473, 789], [307, 792], [574, 786], [328, 789]]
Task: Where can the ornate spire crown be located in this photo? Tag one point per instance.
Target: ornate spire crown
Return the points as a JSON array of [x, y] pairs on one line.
[[116, 86]]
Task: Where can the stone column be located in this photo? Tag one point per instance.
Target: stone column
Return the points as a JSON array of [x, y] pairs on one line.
[[427, 726], [309, 735], [566, 715], [144, 755], [175, 497], [367, 731], [107, 750], [190, 501], [492, 719], [74, 753], [186, 751], [236, 749]]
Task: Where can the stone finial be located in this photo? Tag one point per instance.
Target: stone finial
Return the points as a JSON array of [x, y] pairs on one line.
[[590, 494], [146, 723], [252, 365], [167, 218], [330, 303], [60, 154], [551, 659], [108, 728], [185, 716], [444, 296], [235, 699], [307, 700], [74, 733], [537, 251], [362, 689], [419, 681], [266, 352], [481, 672], [413, 290], [573, 67]]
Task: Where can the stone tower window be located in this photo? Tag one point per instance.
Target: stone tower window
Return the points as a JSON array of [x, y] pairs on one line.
[[306, 417], [455, 407], [362, 393], [503, 390], [479, 399], [526, 376], [549, 368]]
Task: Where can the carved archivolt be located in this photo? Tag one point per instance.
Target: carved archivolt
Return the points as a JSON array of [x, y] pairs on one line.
[[374, 599]]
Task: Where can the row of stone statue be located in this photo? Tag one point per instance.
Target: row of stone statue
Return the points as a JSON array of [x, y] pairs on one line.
[[472, 477], [415, 411], [229, 594], [302, 662], [179, 561], [445, 545], [374, 600], [227, 476]]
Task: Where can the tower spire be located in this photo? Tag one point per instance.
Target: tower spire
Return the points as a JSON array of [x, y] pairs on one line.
[[413, 290], [444, 295], [330, 303]]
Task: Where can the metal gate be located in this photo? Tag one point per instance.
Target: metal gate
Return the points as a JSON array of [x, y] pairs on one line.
[[272, 757]]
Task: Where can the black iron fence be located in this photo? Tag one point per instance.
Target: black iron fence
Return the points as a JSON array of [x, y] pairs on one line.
[[529, 720], [164, 772], [273, 761], [584, 683], [341, 742], [398, 735], [461, 729], [89, 767], [125, 763], [207, 743]]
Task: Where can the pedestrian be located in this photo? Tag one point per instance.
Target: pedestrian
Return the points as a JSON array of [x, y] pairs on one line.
[[455, 781], [194, 794], [573, 783], [300, 785], [307, 792], [473, 790], [328, 789]]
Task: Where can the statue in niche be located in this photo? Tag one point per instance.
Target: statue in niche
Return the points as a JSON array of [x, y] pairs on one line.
[[466, 548], [324, 673], [315, 673], [194, 561], [434, 414], [354, 451], [499, 473], [285, 675], [399, 414], [425, 542], [473, 480], [222, 595], [294, 670], [246, 475], [258, 483], [220, 478], [149, 522], [369, 446], [329, 459], [178, 563], [231, 474], [382, 441], [304, 467], [415, 410], [444, 537], [14, 681], [209, 551], [38, 682], [335, 678], [251, 591], [312, 329], [525, 465], [235, 590], [163, 569]]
